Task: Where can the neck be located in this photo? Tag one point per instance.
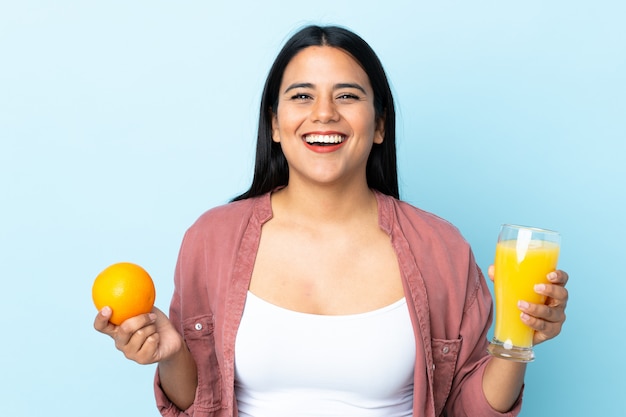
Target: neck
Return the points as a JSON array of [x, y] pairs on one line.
[[325, 205]]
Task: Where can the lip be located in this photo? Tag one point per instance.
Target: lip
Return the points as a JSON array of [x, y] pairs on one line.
[[328, 146]]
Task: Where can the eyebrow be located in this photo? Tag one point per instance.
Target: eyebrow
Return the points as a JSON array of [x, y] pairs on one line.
[[336, 86]]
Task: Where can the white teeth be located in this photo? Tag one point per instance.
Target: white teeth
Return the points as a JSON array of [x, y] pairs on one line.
[[324, 138]]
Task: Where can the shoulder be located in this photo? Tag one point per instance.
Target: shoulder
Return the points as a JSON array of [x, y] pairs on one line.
[[226, 213], [417, 214], [224, 226], [228, 216], [420, 224], [213, 240]]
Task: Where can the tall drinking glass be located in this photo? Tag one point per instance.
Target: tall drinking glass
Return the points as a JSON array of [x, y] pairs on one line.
[[524, 257]]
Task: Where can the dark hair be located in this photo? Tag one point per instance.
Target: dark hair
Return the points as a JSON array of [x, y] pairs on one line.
[[271, 170]]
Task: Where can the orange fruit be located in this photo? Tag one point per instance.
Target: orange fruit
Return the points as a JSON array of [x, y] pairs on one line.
[[126, 288]]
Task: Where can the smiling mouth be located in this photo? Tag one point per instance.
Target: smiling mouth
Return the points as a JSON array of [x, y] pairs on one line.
[[324, 140]]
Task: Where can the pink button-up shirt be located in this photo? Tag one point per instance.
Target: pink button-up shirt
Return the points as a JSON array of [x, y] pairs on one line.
[[449, 303]]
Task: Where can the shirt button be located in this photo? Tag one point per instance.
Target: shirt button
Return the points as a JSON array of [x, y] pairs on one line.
[[445, 349], [198, 326]]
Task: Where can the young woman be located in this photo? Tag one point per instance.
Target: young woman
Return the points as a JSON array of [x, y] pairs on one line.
[[318, 292]]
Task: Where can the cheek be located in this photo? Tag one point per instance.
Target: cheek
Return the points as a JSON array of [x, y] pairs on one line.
[[286, 123], [369, 124]]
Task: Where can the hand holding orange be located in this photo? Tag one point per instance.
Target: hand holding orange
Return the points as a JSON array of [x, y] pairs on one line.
[[126, 288]]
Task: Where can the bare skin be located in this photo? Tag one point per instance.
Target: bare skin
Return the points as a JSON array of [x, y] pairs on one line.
[[503, 380], [359, 271], [151, 338], [327, 211], [324, 232]]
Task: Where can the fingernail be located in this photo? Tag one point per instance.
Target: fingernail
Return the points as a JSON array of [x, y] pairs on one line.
[[540, 287], [552, 276], [524, 317], [523, 305], [106, 311]]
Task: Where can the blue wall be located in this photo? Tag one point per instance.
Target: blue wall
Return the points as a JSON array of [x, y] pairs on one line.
[[120, 122]]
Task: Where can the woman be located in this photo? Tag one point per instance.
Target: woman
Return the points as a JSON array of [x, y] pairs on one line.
[[318, 292]]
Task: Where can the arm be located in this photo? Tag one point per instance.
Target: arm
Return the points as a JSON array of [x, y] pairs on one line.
[[179, 378], [151, 338], [503, 380], [502, 383]]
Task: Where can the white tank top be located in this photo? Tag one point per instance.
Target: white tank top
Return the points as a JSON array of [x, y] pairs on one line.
[[292, 364]]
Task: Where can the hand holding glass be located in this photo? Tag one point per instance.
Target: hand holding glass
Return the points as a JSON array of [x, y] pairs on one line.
[[524, 258]]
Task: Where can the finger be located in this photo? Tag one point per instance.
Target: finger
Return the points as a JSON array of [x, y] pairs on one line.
[[556, 294], [546, 313], [102, 323], [544, 330], [143, 345], [130, 326], [147, 353], [138, 338], [558, 277], [491, 272]]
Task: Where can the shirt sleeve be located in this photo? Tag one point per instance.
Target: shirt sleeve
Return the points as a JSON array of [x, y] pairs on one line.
[[184, 266], [164, 405], [191, 314]]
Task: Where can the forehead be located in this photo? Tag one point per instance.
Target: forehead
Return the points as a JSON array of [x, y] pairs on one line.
[[324, 63]]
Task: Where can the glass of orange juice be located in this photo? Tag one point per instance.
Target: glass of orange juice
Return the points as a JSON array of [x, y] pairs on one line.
[[524, 257]]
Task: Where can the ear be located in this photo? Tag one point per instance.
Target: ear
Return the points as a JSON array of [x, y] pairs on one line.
[[379, 132], [275, 130]]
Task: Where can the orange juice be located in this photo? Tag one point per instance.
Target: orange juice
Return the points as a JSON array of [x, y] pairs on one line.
[[519, 265]]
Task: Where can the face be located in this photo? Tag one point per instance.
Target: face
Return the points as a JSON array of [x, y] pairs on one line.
[[325, 119]]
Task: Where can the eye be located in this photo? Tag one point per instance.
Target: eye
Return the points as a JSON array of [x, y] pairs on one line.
[[348, 96], [300, 97]]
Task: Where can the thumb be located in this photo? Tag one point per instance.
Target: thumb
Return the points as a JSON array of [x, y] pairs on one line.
[[102, 323]]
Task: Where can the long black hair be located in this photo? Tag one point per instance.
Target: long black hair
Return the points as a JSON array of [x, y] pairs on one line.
[[271, 170]]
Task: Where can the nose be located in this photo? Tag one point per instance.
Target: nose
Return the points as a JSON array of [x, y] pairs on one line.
[[324, 110]]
